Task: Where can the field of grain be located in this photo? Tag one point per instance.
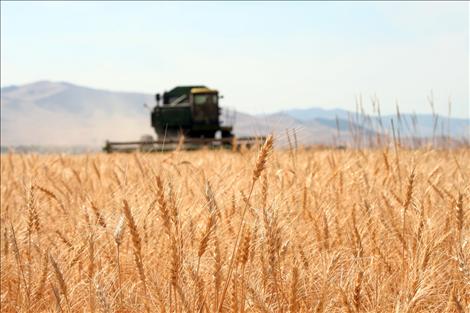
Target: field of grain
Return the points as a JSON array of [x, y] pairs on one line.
[[220, 231]]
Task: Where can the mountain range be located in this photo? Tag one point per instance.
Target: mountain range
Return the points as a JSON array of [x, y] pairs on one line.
[[64, 114]]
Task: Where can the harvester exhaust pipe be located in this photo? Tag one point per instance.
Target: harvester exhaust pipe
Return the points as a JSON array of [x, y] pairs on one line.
[[157, 98]]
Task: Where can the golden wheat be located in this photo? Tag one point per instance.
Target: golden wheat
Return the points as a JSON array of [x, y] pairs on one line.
[[322, 231]]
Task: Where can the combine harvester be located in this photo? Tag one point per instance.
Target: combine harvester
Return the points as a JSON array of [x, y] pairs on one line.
[[188, 119]]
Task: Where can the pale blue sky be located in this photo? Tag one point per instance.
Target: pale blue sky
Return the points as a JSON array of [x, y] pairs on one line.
[[263, 56]]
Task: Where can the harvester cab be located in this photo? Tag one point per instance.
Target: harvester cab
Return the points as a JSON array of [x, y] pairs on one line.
[[191, 111]]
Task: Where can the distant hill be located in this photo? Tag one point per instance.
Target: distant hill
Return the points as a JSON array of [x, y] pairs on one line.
[[50, 113], [59, 113], [62, 114], [418, 125], [317, 113]]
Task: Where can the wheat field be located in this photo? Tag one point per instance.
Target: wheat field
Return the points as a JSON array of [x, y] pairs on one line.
[[261, 230]]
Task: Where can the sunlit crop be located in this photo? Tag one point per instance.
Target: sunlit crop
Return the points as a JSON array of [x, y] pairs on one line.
[[261, 230]]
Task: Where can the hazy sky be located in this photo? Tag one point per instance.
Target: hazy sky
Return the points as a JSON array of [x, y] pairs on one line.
[[263, 56]]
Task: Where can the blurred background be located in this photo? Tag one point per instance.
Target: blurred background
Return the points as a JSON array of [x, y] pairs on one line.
[[76, 74]]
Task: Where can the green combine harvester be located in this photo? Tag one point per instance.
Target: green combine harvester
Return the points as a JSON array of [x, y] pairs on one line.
[[188, 118]]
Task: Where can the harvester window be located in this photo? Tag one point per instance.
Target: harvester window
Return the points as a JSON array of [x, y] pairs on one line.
[[200, 99]]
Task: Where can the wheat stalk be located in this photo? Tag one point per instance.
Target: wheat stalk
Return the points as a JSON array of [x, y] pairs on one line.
[[259, 167], [60, 279]]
